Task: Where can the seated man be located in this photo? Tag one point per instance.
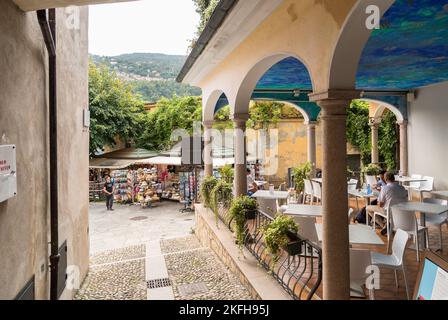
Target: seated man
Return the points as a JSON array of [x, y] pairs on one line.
[[361, 217], [391, 191], [251, 185]]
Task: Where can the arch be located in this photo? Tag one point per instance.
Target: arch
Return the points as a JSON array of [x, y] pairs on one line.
[[209, 102], [253, 76], [382, 106], [350, 45]]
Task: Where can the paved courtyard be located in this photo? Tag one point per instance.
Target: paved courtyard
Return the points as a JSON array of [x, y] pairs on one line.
[[152, 254]]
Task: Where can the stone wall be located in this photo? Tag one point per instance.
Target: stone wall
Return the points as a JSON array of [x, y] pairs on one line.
[[24, 220]]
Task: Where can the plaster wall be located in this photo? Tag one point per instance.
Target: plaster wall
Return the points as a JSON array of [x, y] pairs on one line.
[[428, 133], [24, 220]]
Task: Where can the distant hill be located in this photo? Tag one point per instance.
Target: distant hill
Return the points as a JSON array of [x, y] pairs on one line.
[[153, 74]]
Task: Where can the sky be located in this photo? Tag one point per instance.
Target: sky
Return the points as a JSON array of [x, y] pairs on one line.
[[155, 26]]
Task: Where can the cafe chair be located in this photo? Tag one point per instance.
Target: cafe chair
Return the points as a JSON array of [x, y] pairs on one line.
[[437, 220], [396, 261], [317, 193], [308, 192], [360, 261], [407, 221], [413, 185]]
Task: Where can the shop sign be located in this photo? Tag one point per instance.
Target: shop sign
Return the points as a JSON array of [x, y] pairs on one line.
[[8, 176]]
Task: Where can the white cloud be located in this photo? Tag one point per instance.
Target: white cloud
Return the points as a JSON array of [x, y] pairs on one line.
[[157, 26]]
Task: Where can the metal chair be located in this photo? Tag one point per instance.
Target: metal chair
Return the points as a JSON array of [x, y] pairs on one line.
[[396, 260]]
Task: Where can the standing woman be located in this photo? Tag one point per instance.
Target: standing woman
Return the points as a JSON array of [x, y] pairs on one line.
[[109, 190]]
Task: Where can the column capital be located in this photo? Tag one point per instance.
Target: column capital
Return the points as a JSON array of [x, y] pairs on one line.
[[311, 124], [240, 117], [208, 124], [403, 123], [374, 123]]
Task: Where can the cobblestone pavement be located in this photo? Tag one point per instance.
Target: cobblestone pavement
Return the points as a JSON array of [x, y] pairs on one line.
[[120, 268], [198, 274], [116, 275]]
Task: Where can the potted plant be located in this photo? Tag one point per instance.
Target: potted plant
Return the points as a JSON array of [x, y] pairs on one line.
[[207, 187], [221, 196], [299, 174], [282, 233], [243, 208]]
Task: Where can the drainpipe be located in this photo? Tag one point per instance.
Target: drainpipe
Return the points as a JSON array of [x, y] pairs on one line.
[[48, 28]]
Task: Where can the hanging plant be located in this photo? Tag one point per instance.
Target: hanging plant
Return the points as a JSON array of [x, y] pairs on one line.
[[279, 234], [227, 173], [243, 208], [207, 187], [221, 197]]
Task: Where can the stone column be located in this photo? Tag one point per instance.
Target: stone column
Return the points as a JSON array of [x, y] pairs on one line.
[[208, 148], [335, 236], [240, 181], [312, 158], [374, 126], [404, 148]]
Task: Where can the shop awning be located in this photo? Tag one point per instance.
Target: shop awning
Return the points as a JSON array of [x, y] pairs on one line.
[[168, 161], [112, 164], [130, 154]]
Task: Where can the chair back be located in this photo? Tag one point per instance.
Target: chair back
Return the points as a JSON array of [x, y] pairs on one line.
[[399, 245], [282, 187], [317, 190], [360, 260], [415, 185], [404, 220], [371, 180], [307, 228], [268, 206], [351, 215], [428, 184], [308, 187], [352, 185]]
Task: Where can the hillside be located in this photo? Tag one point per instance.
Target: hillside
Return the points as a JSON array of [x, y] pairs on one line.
[[152, 74]]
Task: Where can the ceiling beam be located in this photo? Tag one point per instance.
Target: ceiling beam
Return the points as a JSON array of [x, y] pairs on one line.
[[34, 5]]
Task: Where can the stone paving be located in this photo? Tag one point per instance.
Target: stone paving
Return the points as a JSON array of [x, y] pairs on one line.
[[119, 257], [199, 274], [116, 275]]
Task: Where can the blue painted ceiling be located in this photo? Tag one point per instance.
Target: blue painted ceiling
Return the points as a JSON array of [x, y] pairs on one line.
[[409, 51]]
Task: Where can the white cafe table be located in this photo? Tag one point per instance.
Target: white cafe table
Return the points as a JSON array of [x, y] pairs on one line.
[[440, 194], [276, 195], [359, 235], [300, 210], [423, 208]]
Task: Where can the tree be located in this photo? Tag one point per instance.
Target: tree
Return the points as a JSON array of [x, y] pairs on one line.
[[205, 8], [170, 114], [115, 111]]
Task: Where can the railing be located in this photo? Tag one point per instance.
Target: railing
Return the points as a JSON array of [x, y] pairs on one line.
[[300, 273]]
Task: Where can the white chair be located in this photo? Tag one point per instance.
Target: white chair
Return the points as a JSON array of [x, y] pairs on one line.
[[407, 221], [317, 192], [437, 220], [360, 260], [388, 217], [308, 191], [352, 185], [351, 215], [396, 260], [426, 186], [413, 185]]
